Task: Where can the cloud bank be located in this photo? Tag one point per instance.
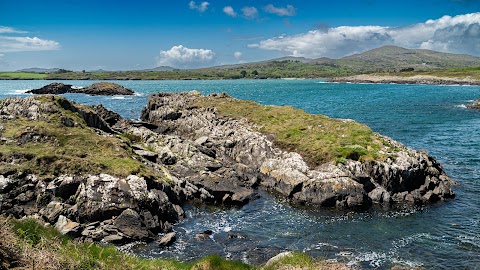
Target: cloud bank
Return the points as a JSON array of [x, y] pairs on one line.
[[183, 57], [458, 34], [201, 8]]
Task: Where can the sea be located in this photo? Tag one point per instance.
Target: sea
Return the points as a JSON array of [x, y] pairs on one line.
[[444, 235]]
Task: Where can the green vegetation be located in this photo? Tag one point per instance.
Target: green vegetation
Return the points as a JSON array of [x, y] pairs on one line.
[[64, 144], [317, 138], [22, 76], [29, 245], [385, 59]]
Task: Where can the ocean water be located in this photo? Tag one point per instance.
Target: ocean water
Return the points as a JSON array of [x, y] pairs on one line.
[[445, 235]]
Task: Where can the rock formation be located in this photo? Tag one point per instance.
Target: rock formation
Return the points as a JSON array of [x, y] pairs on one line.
[[222, 154], [180, 152], [96, 89]]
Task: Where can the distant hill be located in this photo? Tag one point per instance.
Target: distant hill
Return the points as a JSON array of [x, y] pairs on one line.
[[383, 59], [395, 58], [39, 70], [161, 68]]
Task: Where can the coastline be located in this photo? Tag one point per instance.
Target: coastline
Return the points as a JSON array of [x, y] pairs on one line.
[[417, 79]]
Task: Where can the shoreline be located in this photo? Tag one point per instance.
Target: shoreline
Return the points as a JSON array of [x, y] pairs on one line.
[[417, 80]]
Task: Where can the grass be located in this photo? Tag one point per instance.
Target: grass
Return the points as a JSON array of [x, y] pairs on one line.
[[60, 149], [26, 244], [318, 138], [22, 75]]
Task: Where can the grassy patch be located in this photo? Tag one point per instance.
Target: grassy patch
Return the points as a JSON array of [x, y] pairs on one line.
[[49, 148], [22, 75], [39, 247], [318, 138]]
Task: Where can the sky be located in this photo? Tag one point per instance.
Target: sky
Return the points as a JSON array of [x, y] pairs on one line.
[[142, 34]]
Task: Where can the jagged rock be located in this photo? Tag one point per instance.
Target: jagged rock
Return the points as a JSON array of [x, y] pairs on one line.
[[53, 88], [168, 239], [130, 224], [67, 227]]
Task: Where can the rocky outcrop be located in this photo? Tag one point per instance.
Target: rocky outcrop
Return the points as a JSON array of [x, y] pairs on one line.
[[474, 105], [53, 88], [96, 89], [221, 154], [199, 155], [94, 207], [106, 89], [417, 79]]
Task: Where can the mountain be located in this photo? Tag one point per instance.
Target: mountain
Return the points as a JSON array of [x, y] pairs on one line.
[[39, 70]]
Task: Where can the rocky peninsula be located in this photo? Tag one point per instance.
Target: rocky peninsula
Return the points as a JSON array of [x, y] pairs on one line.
[[96, 89], [417, 79], [98, 177]]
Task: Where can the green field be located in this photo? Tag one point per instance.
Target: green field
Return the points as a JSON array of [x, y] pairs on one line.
[[22, 76]]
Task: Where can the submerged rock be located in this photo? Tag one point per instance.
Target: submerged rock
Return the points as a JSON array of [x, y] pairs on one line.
[[474, 105]]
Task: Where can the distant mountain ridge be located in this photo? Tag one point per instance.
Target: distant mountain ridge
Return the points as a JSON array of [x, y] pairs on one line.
[[39, 70], [379, 60]]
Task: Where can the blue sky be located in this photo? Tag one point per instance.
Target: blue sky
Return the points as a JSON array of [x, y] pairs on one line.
[[119, 35]]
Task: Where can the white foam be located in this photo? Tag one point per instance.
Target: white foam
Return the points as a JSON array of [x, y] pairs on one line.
[[461, 106]]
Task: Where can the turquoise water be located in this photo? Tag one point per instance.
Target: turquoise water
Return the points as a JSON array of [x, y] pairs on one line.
[[441, 236]]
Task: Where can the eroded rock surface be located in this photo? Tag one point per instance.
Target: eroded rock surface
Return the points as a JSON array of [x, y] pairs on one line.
[[220, 154]]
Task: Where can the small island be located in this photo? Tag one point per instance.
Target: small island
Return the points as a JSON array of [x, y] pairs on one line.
[[96, 89]]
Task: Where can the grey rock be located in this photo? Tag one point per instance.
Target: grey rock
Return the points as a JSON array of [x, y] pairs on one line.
[[168, 239], [130, 224], [68, 227]]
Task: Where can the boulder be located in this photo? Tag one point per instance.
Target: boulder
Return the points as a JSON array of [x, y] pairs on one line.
[[168, 239], [130, 224], [67, 227]]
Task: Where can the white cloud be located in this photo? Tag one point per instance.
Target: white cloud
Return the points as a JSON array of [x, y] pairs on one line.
[[201, 8], [237, 55], [289, 10], [10, 30], [22, 44], [183, 57], [458, 34], [229, 11], [250, 12]]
